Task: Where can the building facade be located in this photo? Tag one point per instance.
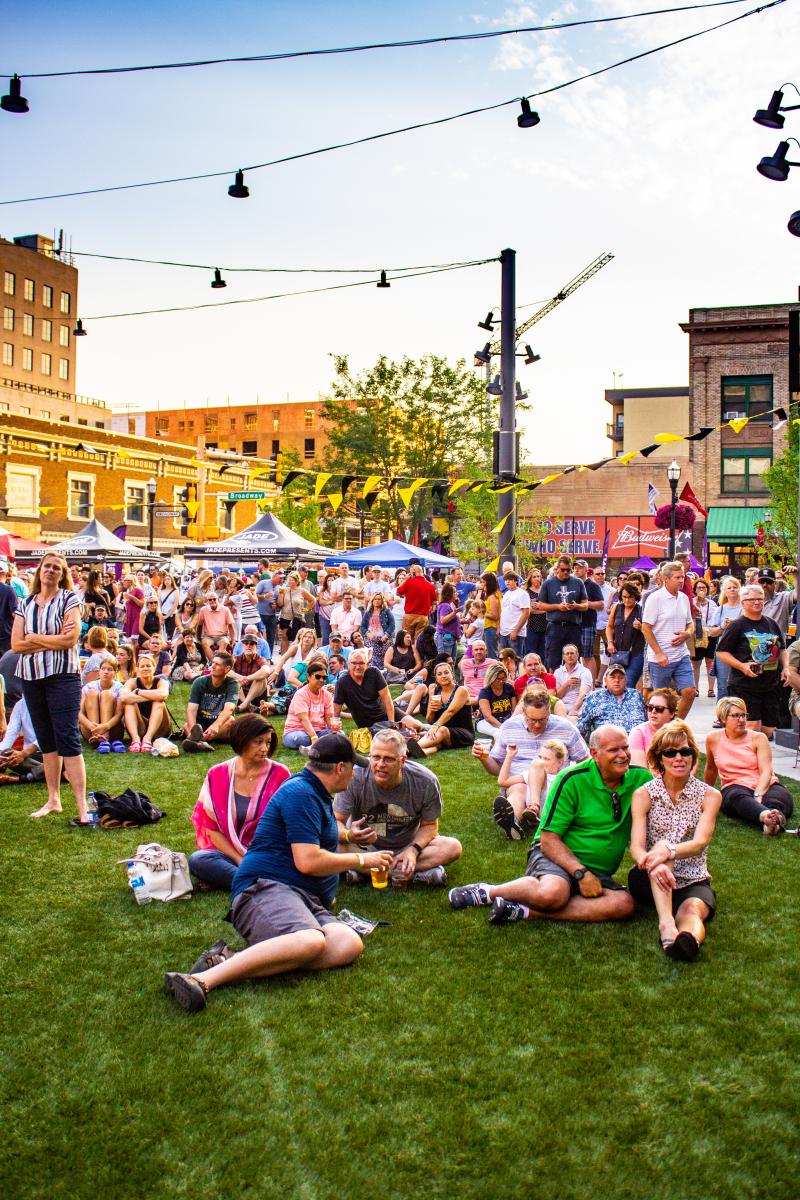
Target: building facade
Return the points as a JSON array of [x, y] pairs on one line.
[[40, 305], [252, 430]]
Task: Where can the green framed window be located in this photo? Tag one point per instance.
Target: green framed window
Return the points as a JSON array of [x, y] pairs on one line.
[[743, 471], [746, 396]]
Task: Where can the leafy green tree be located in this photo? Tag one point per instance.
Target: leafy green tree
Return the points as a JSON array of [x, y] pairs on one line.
[[782, 480]]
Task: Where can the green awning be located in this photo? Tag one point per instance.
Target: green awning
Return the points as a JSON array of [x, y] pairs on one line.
[[734, 526]]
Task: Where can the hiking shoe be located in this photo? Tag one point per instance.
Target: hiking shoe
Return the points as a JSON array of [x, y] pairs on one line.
[[529, 822], [504, 911], [211, 957], [505, 818], [189, 994], [471, 895], [433, 877], [196, 733]]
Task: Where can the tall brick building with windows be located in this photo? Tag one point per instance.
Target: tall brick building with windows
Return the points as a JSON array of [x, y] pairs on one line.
[[40, 303], [252, 430]]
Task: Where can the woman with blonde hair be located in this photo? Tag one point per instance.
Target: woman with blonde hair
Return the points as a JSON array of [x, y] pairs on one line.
[[291, 603], [742, 758], [377, 626], [673, 819], [730, 607]]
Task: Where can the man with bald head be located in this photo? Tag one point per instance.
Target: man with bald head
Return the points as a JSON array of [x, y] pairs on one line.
[[583, 834]]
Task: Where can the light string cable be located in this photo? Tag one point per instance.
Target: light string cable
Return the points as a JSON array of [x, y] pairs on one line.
[[193, 266], [375, 137], [368, 46]]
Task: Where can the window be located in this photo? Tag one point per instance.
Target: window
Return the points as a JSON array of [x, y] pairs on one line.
[[233, 423], [47, 296], [8, 319], [22, 491], [276, 419], [225, 515], [249, 448], [181, 426], [63, 335], [47, 363], [8, 354], [82, 421], [743, 470], [47, 331], [63, 418], [80, 489], [28, 290], [24, 410], [10, 283], [45, 414], [210, 423], [99, 424], [251, 420], [162, 426], [191, 426], [27, 324], [135, 503], [63, 368], [308, 418], [27, 359], [276, 447], [746, 396], [65, 302], [308, 448]]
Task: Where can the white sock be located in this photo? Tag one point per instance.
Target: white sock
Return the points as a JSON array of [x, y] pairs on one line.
[[525, 912]]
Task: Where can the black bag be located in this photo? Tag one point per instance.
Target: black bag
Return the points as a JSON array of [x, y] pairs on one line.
[[127, 811], [620, 658]]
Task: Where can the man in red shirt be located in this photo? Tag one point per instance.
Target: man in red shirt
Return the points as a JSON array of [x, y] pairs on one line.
[[420, 596], [533, 672]]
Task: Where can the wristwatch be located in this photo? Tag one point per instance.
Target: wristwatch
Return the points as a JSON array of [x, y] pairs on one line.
[[671, 847], [579, 873]]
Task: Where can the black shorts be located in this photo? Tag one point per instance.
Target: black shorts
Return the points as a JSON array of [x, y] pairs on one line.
[[761, 706], [639, 888], [460, 738], [268, 909]]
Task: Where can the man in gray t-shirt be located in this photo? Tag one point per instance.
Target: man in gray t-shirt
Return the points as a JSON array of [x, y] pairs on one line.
[[394, 804]]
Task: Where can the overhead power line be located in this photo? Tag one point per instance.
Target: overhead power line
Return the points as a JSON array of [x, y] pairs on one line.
[[374, 137]]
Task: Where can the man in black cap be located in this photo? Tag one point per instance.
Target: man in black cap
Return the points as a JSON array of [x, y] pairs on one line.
[[285, 885], [778, 606], [251, 671]]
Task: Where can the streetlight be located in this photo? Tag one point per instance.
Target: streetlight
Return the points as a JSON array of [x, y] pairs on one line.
[[673, 475], [152, 487]]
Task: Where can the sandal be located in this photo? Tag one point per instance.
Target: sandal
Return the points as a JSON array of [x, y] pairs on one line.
[[135, 748], [104, 746], [146, 747], [119, 747], [188, 993], [212, 957]]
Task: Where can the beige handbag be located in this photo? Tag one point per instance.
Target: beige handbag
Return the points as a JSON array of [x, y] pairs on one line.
[[157, 873]]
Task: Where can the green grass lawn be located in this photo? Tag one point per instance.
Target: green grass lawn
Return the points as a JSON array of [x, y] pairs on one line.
[[453, 1060]]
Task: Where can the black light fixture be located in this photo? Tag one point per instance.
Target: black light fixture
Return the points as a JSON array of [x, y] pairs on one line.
[[770, 117], [488, 324], [238, 189], [530, 357], [14, 101], [383, 281], [520, 394], [776, 166], [79, 331], [527, 118], [218, 281], [794, 223], [495, 388], [483, 357]]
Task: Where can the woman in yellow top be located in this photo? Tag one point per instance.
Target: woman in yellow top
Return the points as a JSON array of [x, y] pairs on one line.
[[492, 598]]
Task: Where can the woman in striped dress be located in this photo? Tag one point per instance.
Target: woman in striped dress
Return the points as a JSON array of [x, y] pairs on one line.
[[45, 635]]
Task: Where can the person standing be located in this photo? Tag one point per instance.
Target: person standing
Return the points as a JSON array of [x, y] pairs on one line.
[[754, 649], [515, 609], [563, 598], [419, 595], [8, 607], [537, 621], [667, 625], [45, 634], [600, 638], [596, 603]]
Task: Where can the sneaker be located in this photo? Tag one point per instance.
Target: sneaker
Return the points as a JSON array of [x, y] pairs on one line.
[[504, 911], [471, 895], [433, 877], [211, 957], [504, 817], [529, 822]]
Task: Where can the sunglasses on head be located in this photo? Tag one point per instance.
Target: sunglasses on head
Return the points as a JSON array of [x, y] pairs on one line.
[[675, 751], [656, 707]]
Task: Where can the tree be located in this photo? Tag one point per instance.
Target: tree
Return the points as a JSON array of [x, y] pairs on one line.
[[780, 527], [297, 506]]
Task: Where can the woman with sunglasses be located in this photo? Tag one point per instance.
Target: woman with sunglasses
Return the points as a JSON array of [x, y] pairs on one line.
[[673, 819], [742, 758], [310, 714], [661, 709]]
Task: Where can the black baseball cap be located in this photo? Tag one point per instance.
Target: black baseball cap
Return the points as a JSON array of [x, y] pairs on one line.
[[767, 574], [335, 748]]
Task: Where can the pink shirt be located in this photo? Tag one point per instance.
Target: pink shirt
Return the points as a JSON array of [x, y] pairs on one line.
[[216, 622], [474, 673], [641, 736], [318, 709], [345, 623]]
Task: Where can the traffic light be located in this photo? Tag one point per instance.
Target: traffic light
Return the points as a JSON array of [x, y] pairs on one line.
[[188, 499]]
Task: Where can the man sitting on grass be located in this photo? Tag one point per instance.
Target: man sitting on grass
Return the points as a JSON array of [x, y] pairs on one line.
[[211, 706], [285, 885], [579, 845], [394, 804]]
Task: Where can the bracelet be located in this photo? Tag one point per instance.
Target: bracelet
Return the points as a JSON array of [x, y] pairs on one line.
[[360, 858], [347, 835], [417, 847]]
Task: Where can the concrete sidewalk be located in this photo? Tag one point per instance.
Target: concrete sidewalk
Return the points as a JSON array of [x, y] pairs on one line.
[[701, 718]]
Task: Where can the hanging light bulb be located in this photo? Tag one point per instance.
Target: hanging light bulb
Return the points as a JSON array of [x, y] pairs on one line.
[[527, 118], [483, 357], [488, 324], [79, 331], [520, 394], [495, 388], [794, 223], [776, 166], [14, 101], [530, 357], [384, 282], [771, 117], [238, 189], [218, 281]]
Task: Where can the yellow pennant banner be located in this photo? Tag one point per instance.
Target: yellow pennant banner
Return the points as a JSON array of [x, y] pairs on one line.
[[664, 438], [626, 458], [500, 527], [456, 484], [406, 493], [322, 479], [370, 485], [334, 499], [737, 424]]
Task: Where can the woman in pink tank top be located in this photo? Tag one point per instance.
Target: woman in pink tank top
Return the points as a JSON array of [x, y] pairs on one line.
[[742, 758]]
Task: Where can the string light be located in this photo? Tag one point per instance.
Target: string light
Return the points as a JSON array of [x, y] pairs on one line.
[[527, 118], [237, 188], [218, 281], [14, 101], [383, 282]]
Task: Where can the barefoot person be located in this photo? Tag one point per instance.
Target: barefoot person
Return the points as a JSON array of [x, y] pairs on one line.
[[144, 706], [742, 757], [579, 845], [45, 634], [673, 819]]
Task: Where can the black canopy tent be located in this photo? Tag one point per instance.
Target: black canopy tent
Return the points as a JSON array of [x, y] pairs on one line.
[[265, 538], [95, 543]]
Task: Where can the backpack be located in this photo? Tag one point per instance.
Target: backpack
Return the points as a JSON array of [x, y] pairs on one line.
[[127, 811]]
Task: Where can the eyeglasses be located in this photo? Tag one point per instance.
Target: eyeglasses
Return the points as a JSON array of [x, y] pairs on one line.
[[656, 708], [736, 716], [316, 675], [677, 751], [616, 805]]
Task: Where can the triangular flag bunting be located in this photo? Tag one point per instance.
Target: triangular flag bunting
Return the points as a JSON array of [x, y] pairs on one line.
[[664, 438], [596, 466], [370, 485], [321, 480], [701, 434], [501, 524], [550, 478], [648, 450], [494, 564], [290, 477], [456, 484], [476, 486], [406, 493], [737, 424], [191, 507], [334, 499], [567, 470], [626, 458], [345, 484]]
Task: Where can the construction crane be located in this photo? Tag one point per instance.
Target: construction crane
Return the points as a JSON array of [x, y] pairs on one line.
[[583, 277]]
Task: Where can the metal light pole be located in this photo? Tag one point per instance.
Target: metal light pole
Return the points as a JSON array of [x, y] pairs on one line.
[[673, 475], [152, 487], [507, 449]]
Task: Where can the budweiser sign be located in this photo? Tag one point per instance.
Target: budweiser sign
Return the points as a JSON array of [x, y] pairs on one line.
[[628, 537]]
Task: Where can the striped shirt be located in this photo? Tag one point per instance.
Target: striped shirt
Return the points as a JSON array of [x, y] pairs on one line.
[[48, 619]]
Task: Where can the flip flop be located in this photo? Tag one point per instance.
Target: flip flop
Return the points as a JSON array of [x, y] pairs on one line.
[[135, 748], [119, 747], [104, 747], [685, 948]]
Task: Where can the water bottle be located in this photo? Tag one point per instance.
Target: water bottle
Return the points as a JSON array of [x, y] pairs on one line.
[[139, 884], [91, 810]]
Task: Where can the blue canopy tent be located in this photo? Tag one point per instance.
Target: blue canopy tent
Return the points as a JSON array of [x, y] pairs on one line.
[[390, 554], [642, 564]]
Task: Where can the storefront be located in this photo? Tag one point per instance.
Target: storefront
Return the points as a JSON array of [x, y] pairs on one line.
[[732, 533], [585, 537]]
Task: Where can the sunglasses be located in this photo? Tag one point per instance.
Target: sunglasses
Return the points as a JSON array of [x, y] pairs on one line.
[[656, 708], [675, 751], [316, 675], [616, 805]]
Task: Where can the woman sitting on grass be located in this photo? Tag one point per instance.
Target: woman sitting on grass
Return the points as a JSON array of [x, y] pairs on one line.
[[144, 706], [673, 820], [496, 701], [449, 715], [232, 801], [310, 714], [401, 659], [100, 715], [661, 709], [187, 659], [742, 758], [126, 662]]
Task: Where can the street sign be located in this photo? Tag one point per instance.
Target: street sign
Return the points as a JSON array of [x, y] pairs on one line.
[[247, 495], [168, 512]]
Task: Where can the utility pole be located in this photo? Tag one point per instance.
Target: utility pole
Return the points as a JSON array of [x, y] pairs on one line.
[[507, 442]]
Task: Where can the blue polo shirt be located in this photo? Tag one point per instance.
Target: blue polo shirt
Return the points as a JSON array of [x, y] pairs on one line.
[[300, 811]]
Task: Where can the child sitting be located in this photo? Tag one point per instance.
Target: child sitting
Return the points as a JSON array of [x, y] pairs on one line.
[[551, 759]]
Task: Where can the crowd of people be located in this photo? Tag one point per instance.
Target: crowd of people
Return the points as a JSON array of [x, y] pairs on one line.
[[571, 691]]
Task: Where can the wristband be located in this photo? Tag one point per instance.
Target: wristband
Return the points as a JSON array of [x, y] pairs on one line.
[[360, 858], [347, 835], [417, 847]]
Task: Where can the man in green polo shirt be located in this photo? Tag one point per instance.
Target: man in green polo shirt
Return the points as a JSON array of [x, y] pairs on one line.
[[584, 831]]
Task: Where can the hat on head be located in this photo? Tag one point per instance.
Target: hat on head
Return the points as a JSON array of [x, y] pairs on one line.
[[251, 638], [335, 748], [616, 669], [767, 575], [580, 562], [335, 637], [3, 564]]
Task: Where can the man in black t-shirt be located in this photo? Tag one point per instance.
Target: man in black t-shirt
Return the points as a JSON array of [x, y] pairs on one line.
[[754, 648], [563, 598], [365, 692], [596, 603]]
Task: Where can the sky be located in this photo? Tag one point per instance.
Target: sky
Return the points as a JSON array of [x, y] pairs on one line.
[[653, 162]]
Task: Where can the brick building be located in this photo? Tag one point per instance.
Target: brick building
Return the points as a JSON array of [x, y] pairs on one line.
[[40, 304], [252, 430]]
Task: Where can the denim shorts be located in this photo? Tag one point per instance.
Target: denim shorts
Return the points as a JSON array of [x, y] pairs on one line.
[[54, 703], [679, 673]]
